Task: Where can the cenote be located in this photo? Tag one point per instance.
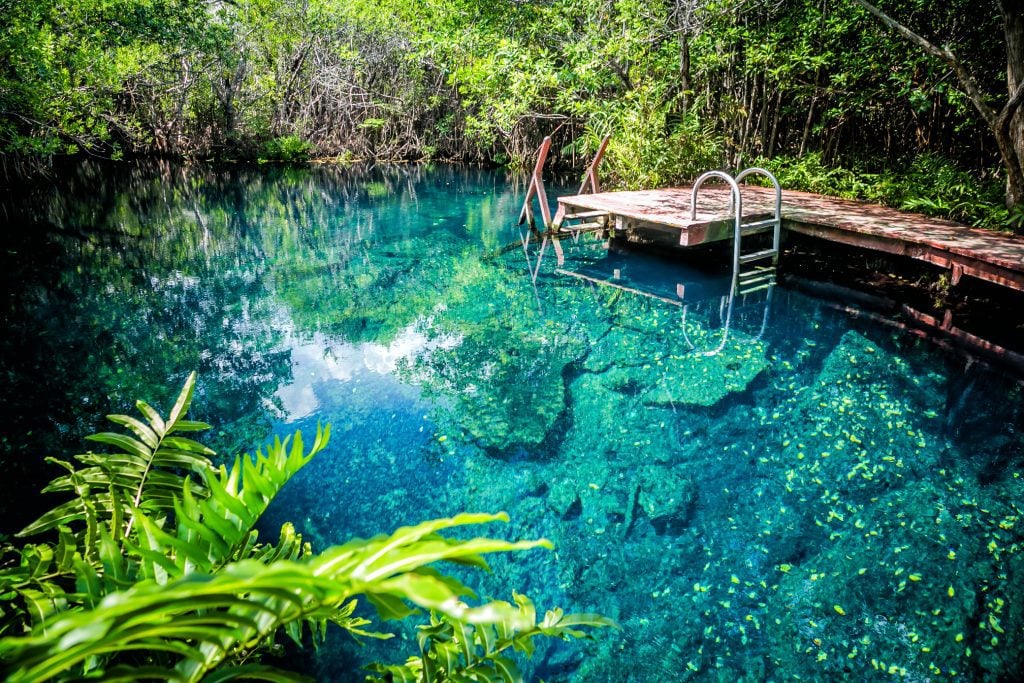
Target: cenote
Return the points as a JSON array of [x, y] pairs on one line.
[[807, 495]]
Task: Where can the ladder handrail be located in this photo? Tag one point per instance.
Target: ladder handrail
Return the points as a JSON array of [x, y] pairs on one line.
[[778, 198], [590, 177], [736, 209], [736, 201]]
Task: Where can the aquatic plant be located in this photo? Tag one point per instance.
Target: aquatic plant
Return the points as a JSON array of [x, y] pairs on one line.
[[157, 571]]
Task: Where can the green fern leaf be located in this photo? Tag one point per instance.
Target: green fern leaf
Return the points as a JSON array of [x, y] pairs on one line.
[[155, 421], [255, 672], [144, 467], [204, 617]]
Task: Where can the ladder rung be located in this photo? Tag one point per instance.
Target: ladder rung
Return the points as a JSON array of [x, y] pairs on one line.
[[755, 229], [751, 277], [754, 270], [766, 223], [586, 214], [756, 288], [758, 255], [752, 283]]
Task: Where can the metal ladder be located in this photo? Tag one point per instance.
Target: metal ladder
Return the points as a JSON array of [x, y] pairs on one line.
[[757, 277], [726, 310]]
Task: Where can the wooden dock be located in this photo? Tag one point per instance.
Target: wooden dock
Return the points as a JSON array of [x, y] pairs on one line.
[[663, 216]]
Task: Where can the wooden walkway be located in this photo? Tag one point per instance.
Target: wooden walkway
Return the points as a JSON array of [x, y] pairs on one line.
[[663, 216]]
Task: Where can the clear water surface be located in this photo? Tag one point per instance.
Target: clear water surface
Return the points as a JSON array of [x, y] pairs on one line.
[[804, 495]]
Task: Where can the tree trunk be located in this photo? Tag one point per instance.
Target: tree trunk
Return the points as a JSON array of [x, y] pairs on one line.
[[1007, 125], [1013, 22], [810, 116], [749, 123], [773, 137], [684, 70]]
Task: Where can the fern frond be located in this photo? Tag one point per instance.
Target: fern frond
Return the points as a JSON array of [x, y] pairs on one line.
[[203, 619], [219, 527], [144, 467], [453, 649]]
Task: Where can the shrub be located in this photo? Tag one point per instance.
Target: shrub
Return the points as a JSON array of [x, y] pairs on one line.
[[930, 184], [289, 149]]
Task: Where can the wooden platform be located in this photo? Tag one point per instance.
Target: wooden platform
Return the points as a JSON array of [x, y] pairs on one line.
[[665, 216]]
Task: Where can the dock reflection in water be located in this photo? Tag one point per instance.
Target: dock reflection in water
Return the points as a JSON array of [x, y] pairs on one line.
[[711, 340]]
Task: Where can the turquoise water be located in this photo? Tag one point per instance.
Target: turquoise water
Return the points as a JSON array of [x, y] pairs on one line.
[[801, 493]]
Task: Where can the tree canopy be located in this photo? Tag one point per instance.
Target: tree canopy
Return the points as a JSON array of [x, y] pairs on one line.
[[682, 85]]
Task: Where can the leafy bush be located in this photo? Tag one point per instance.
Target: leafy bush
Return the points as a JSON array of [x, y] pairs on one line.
[[289, 149], [935, 186], [157, 572], [810, 174], [648, 148], [930, 184]]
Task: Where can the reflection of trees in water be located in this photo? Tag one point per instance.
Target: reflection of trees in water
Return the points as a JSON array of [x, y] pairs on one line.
[[122, 278]]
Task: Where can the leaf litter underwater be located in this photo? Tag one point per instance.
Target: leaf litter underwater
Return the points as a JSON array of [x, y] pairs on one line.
[[801, 494]]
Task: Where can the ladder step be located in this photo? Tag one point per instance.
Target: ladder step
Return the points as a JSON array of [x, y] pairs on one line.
[[757, 270], [766, 223], [744, 284], [755, 229], [757, 288], [758, 255], [751, 277], [582, 215]]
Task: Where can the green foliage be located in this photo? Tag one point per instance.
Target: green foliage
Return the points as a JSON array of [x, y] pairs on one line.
[[647, 150], [929, 184], [157, 554], [455, 650], [289, 149], [935, 186], [282, 81], [810, 174]]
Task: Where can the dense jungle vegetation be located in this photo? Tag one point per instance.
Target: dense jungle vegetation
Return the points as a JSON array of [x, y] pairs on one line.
[[921, 114]]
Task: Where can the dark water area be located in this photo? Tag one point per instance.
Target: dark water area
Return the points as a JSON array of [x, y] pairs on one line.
[[764, 488]]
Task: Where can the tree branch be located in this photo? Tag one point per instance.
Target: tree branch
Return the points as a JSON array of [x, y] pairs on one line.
[[943, 54]]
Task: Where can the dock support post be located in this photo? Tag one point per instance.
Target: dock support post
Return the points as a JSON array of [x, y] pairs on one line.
[[957, 273], [590, 178], [536, 189]]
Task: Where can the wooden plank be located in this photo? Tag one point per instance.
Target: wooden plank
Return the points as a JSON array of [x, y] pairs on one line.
[[536, 189], [665, 216]]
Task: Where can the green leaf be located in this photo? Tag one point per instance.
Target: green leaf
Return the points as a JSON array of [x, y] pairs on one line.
[[188, 445], [184, 401], [66, 548], [125, 443], [506, 668], [390, 607], [141, 430], [255, 672], [156, 422], [189, 426]]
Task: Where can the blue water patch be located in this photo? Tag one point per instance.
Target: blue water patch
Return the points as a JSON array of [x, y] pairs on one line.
[[755, 488]]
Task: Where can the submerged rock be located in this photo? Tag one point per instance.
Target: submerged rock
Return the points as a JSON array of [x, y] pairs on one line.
[[667, 368], [905, 586], [666, 497]]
